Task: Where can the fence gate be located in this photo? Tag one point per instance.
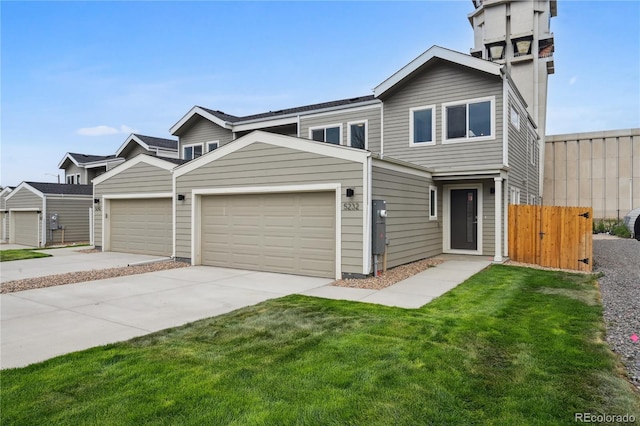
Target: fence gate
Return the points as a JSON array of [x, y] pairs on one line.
[[557, 237]]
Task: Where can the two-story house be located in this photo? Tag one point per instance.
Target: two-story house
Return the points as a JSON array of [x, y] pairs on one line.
[[446, 141]]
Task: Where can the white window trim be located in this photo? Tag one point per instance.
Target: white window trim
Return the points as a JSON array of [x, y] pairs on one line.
[[327, 126], [492, 136], [434, 201], [190, 146], [206, 144], [514, 113], [77, 178], [515, 196], [433, 125], [532, 156], [366, 132], [446, 218]]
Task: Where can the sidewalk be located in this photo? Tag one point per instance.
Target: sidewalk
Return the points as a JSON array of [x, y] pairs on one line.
[[415, 291]]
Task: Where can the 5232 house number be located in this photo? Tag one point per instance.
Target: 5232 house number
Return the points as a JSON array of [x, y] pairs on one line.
[[351, 206]]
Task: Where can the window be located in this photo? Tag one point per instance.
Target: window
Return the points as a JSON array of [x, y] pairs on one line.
[[189, 152], [78, 179], [533, 150], [433, 203], [515, 196], [468, 120], [71, 179], [212, 146], [357, 134], [330, 134], [515, 118], [421, 128]]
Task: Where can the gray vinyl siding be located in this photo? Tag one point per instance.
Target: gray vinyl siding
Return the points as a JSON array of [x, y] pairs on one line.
[[73, 215], [4, 219], [72, 169], [412, 236], [142, 178], [522, 175], [93, 173], [24, 199], [442, 83], [203, 130], [371, 115], [262, 164], [134, 151]]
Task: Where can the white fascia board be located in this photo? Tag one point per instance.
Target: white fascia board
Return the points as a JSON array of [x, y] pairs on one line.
[[199, 111], [26, 186], [264, 122], [320, 148], [402, 168], [131, 138], [138, 196], [70, 196], [66, 157], [142, 158], [364, 106], [5, 191], [441, 53], [103, 163]]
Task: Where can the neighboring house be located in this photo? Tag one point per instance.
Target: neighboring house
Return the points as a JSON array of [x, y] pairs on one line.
[[595, 169], [83, 168], [4, 222], [446, 141], [42, 214]]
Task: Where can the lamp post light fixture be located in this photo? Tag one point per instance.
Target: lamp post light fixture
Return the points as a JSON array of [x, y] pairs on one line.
[[496, 50], [522, 46]]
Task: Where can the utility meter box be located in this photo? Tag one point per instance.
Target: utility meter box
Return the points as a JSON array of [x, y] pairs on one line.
[[378, 226], [53, 222]]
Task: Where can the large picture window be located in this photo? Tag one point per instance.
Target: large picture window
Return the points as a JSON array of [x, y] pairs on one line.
[[421, 128], [469, 120], [330, 134]]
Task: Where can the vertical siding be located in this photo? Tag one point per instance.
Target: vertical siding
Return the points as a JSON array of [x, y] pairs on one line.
[[442, 83], [372, 116], [262, 164], [203, 130], [521, 141], [73, 215], [142, 178], [412, 236], [597, 169]]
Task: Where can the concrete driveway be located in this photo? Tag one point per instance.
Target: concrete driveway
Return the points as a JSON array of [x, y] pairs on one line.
[[65, 260], [39, 324]]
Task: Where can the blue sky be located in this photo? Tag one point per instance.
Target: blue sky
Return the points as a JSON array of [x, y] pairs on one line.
[[81, 76]]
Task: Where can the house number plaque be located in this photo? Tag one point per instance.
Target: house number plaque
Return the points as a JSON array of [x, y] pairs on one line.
[[351, 206]]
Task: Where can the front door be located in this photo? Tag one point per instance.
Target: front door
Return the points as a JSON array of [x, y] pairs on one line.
[[464, 219]]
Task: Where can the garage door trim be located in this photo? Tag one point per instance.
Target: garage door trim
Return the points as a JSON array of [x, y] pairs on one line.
[[12, 225], [106, 223], [196, 218]]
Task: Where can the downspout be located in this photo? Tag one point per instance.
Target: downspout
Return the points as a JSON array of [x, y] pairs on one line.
[[382, 131], [43, 221], [298, 126], [367, 217]]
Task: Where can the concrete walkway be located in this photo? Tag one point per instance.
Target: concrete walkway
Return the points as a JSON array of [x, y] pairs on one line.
[[415, 291]]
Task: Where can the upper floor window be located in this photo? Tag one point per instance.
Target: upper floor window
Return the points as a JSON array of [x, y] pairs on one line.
[[331, 134], [421, 128], [533, 151], [73, 179], [469, 120], [433, 203], [189, 152], [213, 145], [357, 134], [515, 118]]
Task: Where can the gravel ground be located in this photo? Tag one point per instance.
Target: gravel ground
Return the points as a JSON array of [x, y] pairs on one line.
[[390, 277], [78, 277], [619, 262]]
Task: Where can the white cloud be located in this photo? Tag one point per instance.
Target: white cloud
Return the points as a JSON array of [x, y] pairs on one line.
[[573, 80], [104, 130]]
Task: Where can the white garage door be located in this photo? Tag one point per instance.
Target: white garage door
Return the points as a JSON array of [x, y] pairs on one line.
[[289, 232], [25, 225], [143, 226]]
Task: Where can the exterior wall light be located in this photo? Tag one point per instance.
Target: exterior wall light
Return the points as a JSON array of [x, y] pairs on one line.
[[496, 50], [180, 197]]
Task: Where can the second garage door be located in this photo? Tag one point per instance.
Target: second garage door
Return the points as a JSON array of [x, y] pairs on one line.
[[286, 232], [25, 226], [143, 226]]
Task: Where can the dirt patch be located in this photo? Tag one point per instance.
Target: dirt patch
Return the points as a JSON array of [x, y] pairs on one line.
[[544, 268], [82, 276], [392, 276]]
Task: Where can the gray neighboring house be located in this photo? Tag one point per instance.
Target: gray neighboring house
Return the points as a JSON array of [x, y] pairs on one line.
[[4, 224], [447, 141], [140, 144], [42, 214]]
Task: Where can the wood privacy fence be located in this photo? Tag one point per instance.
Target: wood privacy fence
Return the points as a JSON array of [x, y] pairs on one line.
[[557, 237]]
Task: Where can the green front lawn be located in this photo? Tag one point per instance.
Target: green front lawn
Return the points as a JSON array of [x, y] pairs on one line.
[[511, 346], [21, 254]]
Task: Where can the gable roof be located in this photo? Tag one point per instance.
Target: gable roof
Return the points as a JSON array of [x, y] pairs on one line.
[[148, 143], [228, 121], [432, 54], [84, 159], [161, 162], [47, 188]]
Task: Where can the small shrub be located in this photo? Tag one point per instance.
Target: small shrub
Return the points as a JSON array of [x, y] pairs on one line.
[[621, 231], [600, 229]]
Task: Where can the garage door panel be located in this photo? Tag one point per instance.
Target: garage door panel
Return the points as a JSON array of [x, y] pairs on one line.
[[25, 228], [142, 226], [270, 232]]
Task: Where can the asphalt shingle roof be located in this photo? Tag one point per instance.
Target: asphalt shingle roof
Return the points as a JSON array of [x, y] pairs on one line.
[[89, 158], [62, 188], [233, 119], [158, 142]]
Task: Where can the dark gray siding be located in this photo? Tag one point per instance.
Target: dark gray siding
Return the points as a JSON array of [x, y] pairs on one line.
[[261, 164], [442, 83], [412, 236], [73, 215], [203, 130]]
